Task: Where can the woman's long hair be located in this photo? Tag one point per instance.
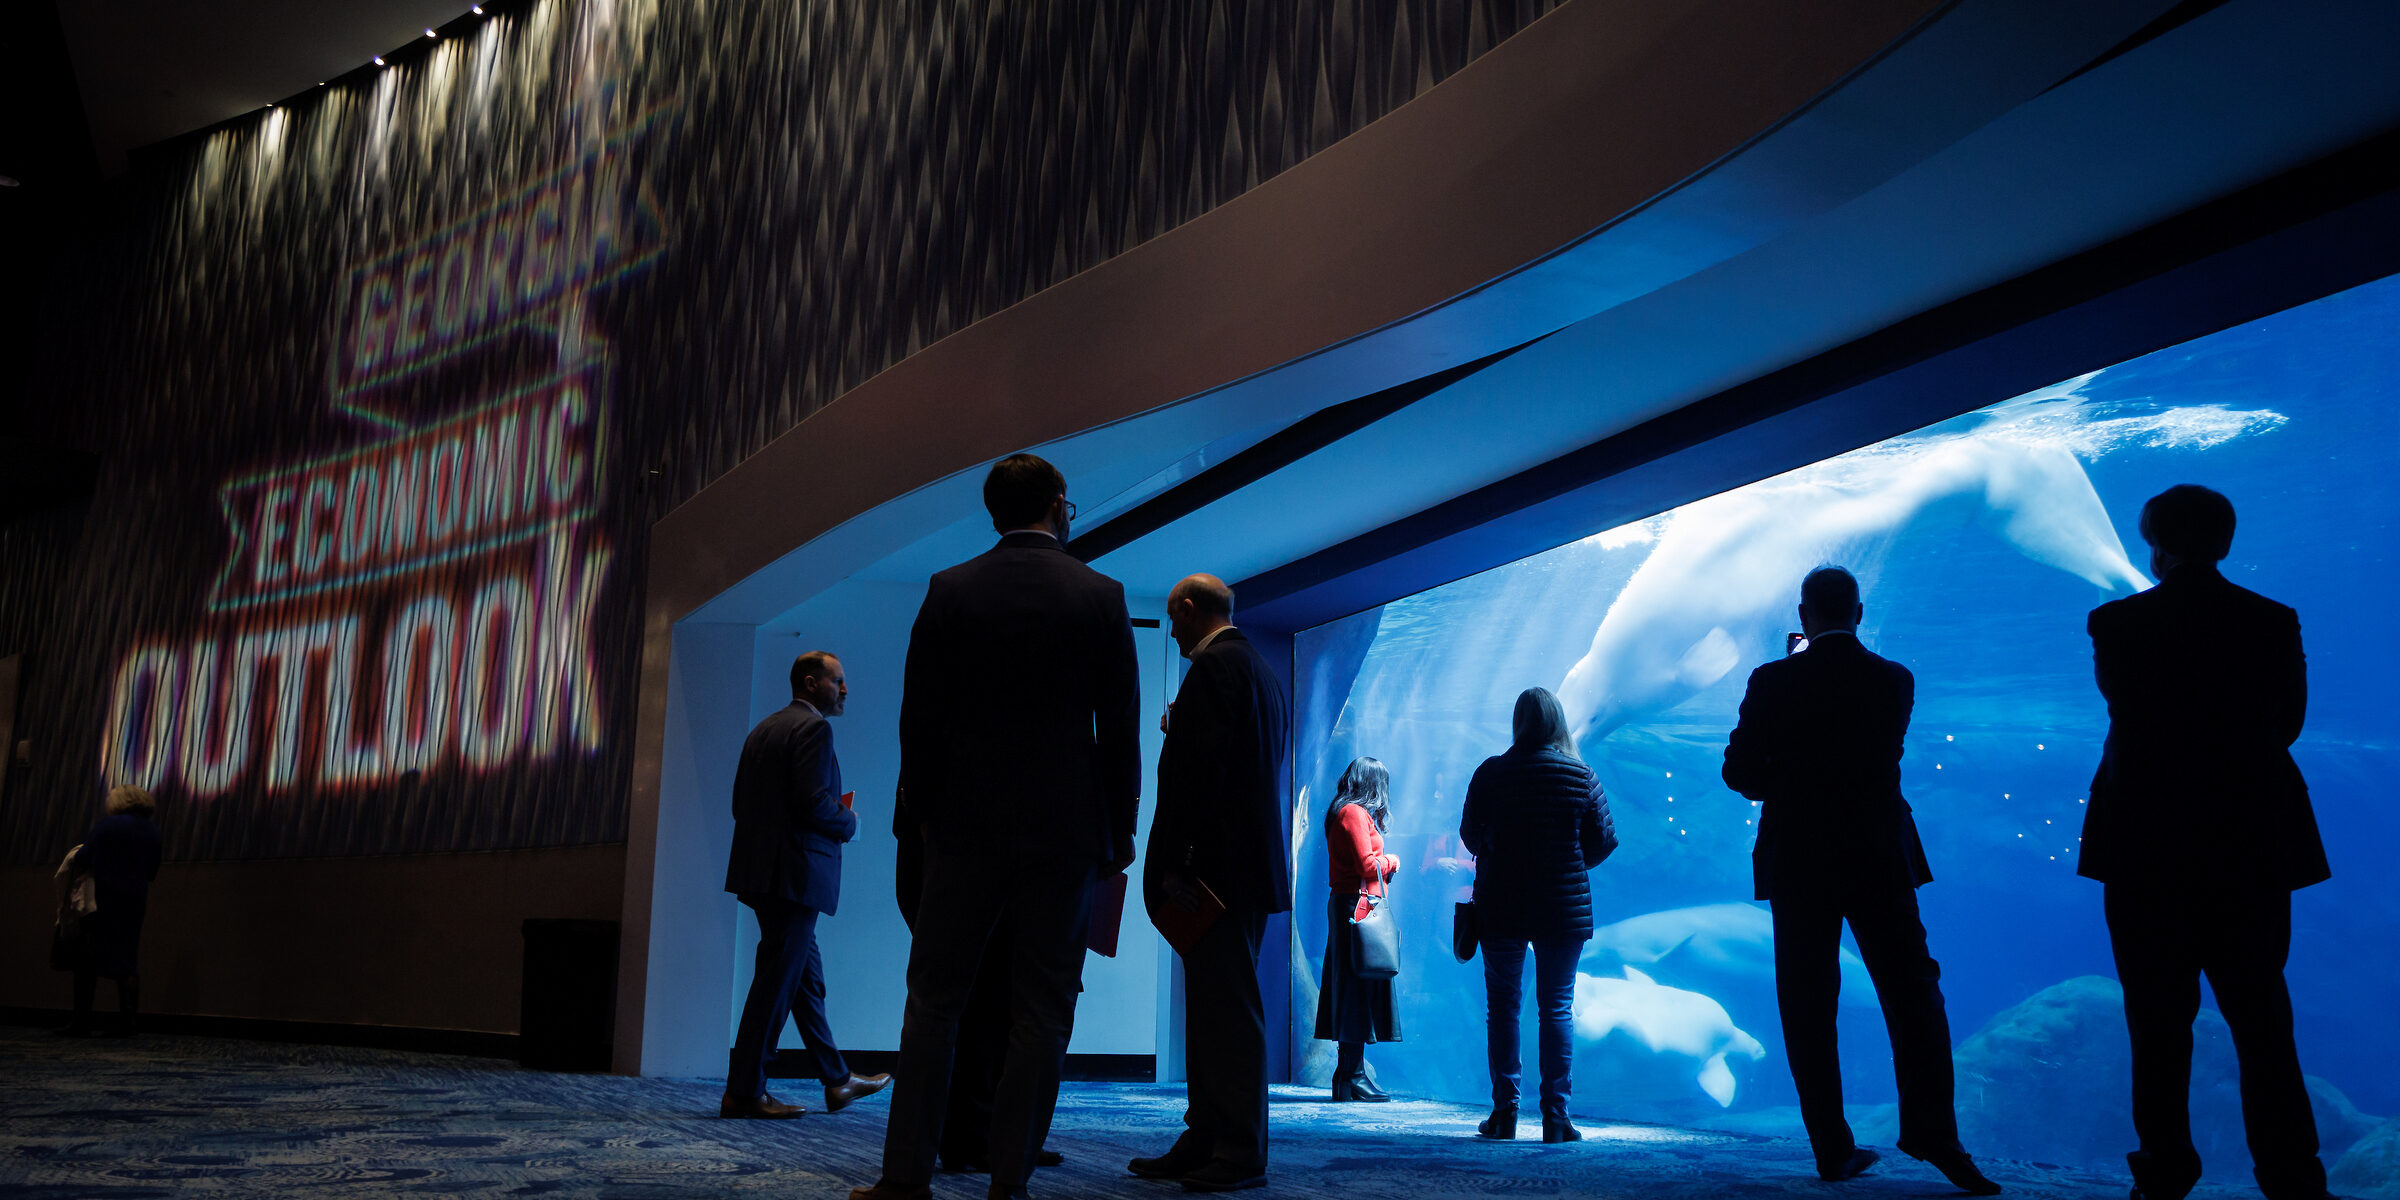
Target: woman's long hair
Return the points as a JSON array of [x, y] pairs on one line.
[[1542, 721], [1366, 784], [126, 798]]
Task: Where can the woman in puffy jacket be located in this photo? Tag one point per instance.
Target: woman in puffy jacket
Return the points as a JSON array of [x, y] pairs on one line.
[[1537, 823], [1353, 1010]]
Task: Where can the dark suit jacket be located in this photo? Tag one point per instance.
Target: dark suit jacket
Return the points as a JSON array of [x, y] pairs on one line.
[[1819, 746], [1220, 813], [1537, 823], [2207, 689], [788, 819], [1020, 719]]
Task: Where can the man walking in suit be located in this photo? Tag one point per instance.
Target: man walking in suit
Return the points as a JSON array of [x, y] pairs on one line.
[[1219, 830], [1818, 747], [789, 824], [2200, 827], [1020, 742]]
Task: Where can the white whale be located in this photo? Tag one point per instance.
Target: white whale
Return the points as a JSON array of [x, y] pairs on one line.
[[1709, 944], [1723, 565], [1667, 1021]]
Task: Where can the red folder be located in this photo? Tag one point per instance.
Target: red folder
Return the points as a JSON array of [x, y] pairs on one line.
[[1108, 915], [849, 798], [1183, 929]]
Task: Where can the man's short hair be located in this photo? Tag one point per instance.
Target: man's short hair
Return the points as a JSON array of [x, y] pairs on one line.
[[1830, 592], [812, 663], [1019, 491], [2190, 522]]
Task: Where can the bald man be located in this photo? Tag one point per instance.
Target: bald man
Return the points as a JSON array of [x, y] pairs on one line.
[[1219, 829]]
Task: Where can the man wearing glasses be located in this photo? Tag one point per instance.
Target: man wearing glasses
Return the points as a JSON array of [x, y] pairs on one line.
[[1020, 743]]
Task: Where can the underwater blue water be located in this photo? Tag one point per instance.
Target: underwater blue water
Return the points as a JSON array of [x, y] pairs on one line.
[[1980, 542]]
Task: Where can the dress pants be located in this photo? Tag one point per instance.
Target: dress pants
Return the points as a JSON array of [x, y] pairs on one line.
[[1908, 983], [1045, 901], [787, 980], [1554, 998], [2165, 939], [982, 1050], [1225, 1042]]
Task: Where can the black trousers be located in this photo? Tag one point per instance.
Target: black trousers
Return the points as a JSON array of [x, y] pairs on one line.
[[787, 980], [1045, 902], [980, 1053], [1908, 983], [2165, 940], [1225, 1042]]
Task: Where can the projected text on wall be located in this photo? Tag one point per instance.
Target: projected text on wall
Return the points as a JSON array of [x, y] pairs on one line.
[[429, 599]]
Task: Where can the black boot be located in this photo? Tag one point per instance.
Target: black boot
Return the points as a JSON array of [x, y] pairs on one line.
[[80, 1025], [1501, 1126], [129, 1003], [1350, 1074]]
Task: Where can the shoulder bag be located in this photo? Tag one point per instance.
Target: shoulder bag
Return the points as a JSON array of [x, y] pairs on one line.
[[1375, 940]]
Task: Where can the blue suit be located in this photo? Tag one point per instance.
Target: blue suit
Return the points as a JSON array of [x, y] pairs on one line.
[[786, 865]]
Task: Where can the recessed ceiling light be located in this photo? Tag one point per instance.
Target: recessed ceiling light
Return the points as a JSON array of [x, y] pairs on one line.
[[430, 33], [477, 9], [379, 60]]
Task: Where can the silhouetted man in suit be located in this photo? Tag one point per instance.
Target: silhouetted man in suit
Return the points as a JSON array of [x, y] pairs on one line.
[[1219, 826], [1019, 739], [2200, 826], [788, 828], [1818, 746]]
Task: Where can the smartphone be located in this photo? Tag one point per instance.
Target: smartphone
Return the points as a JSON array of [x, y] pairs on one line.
[[1794, 643]]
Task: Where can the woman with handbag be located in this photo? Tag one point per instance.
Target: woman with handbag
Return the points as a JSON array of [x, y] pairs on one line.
[[121, 855], [1354, 998], [1537, 822]]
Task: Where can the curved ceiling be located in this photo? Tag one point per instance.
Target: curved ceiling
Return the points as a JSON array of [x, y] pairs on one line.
[[1987, 142], [1606, 153]]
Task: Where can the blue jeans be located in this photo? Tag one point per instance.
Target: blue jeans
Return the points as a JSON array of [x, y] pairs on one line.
[[1554, 998]]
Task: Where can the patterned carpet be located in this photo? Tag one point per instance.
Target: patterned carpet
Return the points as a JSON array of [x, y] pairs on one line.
[[160, 1116]]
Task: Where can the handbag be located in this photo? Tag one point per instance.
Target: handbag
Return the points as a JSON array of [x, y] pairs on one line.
[[78, 898], [1375, 940], [1466, 930], [66, 943]]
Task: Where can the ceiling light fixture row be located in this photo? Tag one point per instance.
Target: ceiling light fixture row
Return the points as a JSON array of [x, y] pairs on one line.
[[379, 61]]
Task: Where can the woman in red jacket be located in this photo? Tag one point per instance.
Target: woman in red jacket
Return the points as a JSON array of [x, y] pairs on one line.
[[1353, 1011]]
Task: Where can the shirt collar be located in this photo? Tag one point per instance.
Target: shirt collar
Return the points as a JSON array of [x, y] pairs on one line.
[[805, 704], [1044, 532], [1213, 635]]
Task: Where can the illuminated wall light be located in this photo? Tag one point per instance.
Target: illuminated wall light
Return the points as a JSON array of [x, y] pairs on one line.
[[379, 60], [430, 33], [477, 9]]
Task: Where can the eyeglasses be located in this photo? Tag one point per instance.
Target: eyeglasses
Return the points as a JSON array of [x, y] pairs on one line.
[[1070, 507]]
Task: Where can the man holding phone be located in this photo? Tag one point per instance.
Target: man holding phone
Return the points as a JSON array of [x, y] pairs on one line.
[[1818, 747], [790, 818]]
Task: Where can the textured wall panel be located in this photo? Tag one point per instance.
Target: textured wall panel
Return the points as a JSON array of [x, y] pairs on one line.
[[390, 383]]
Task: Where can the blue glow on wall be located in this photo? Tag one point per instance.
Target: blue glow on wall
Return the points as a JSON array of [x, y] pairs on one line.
[[1981, 543]]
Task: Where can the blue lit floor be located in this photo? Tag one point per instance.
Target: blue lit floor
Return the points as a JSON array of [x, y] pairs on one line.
[[165, 1116]]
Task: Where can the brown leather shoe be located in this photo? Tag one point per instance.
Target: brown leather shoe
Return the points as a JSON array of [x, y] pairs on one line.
[[839, 1095], [765, 1108]]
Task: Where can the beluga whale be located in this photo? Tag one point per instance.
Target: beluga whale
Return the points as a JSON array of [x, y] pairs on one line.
[[1669, 1022], [1722, 566]]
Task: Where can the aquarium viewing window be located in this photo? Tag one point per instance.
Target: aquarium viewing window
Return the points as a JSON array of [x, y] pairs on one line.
[[1980, 542]]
